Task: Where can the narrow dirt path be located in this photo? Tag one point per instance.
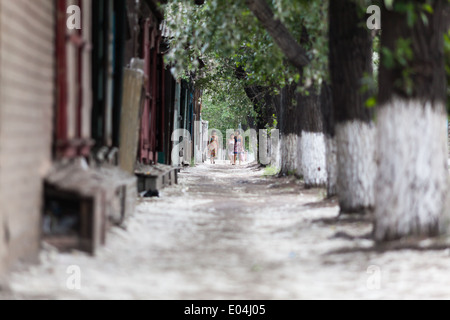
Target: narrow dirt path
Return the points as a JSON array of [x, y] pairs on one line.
[[231, 233]]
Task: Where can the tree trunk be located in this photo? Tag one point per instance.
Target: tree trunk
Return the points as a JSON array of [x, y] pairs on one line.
[[289, 154], [330, 138], [292, 159], [411, 183], [290, 130], [275, 142], [265, 108], [313, 145], [262, 101], [263, 104], [350, 60]]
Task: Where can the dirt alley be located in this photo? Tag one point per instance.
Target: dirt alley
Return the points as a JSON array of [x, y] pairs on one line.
[[231, 233]]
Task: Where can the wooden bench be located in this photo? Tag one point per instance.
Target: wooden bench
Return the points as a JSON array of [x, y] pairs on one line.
[[156, 177], [82, 203]]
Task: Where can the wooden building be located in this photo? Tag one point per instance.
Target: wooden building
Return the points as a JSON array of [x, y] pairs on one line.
[[81, 112]]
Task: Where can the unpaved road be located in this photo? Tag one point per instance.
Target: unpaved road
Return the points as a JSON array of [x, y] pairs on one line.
[[230, 233]]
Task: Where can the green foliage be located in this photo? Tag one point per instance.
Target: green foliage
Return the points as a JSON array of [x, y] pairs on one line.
[[223, 112], [401, 55], [371, 102], [274, 125], [412, 9], [229, 33], [370, 81], [213, 40], [403, 52], [399, 59], [389, 4]]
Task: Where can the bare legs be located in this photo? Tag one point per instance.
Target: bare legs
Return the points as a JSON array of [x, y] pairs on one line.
[[236, 156], [231, 157]]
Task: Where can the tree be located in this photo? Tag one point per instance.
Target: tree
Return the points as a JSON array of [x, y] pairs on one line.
[[291, 130], [225, 103], [350, 62], [447, 59], [235, 51], [229, 33], [326, 102], [411, 183], [304, 140], [313, 143]]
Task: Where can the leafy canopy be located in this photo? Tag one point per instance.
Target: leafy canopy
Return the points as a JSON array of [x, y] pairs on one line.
[[210, 42]]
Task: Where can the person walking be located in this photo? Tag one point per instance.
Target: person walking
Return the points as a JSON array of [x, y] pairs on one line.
[[231, 144], [238, 147], [213, 147]]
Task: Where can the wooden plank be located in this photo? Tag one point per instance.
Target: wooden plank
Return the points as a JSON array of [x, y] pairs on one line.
[[86, 228], [63, 243], [130, 119]]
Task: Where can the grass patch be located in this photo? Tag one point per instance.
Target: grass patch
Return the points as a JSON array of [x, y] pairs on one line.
[[271, 171], [323, 194]]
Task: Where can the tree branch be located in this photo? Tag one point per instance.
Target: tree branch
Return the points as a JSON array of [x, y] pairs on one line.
[[293, 51]]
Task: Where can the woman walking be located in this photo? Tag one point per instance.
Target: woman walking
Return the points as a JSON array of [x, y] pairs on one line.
[[238, 147], [213, 146], [231, 144]]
